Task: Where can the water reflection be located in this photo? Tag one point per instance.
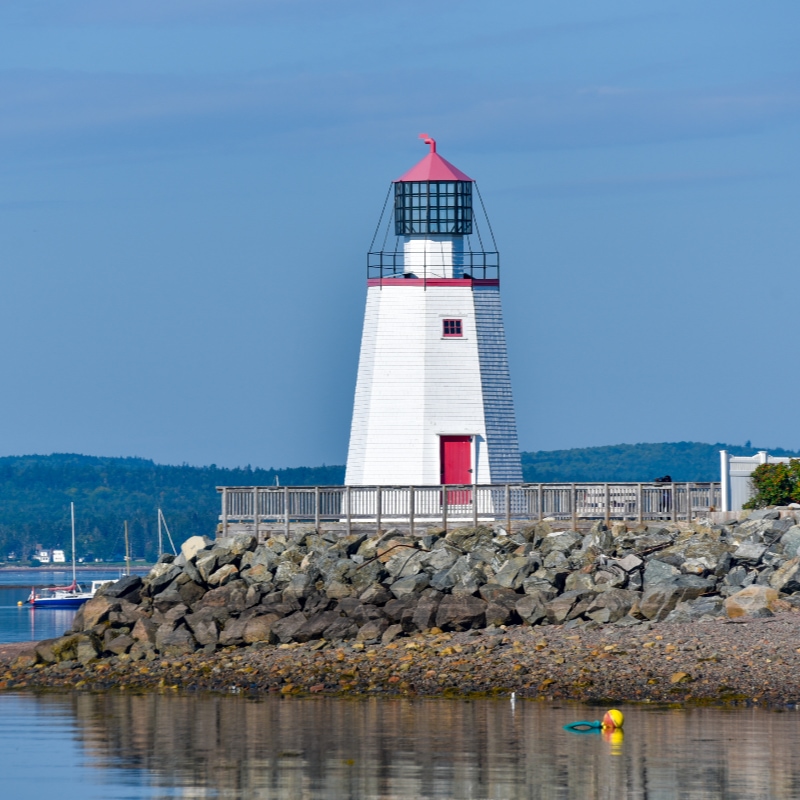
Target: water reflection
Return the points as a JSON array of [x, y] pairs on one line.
[[321, 748]]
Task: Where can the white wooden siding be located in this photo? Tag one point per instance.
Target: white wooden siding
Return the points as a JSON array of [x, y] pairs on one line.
[[415, 385]]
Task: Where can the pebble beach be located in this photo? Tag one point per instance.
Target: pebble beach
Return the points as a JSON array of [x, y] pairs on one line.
[[720, 662]]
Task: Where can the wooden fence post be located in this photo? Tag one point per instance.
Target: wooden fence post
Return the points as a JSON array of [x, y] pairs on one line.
[[224, 511], [573, 501], [640, 502], [255, 511]]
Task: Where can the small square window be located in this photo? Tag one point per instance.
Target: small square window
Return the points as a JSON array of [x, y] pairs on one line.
[[452, 327]]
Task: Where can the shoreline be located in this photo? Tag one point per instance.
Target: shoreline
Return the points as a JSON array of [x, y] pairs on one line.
[[747, 661]]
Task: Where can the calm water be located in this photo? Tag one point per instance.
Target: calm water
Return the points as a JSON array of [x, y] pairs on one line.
[[21, 624], [117, 746]]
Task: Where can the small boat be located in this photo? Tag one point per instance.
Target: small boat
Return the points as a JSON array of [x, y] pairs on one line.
[[72, 596]]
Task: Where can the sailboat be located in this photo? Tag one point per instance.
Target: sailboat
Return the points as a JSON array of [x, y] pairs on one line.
[[71, 596]]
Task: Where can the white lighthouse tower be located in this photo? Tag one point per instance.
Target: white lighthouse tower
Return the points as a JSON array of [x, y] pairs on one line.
[[433, 399]]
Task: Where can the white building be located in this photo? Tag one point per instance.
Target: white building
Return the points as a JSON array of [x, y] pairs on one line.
[[433, 400], [59, 557], [735, 476], [43, 556]]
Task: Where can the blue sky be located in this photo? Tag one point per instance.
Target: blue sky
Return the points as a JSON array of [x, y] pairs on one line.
[[188, 190]]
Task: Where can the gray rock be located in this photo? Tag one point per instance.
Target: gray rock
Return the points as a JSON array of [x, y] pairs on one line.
[[493, 593], [630, 563], [659, 600], [232, 632], [411, 585], [532, 608], [442, 557], [424, 616], [694, 610], [562, 541], [611, 606], [372, 630], [391, 633], [461, 613], [764, 513], [259, 628], [470, 582], [749, 553], [405, 562], [787, 578], [559, 608], [342, 629], [515, 570], [206, 564], [497, 614], [375, 594], [178, 642], [659, 572], [286, 628], [314, 627], [790, 541], [127, 588]]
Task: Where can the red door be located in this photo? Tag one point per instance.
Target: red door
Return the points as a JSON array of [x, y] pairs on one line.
[[456, 463]]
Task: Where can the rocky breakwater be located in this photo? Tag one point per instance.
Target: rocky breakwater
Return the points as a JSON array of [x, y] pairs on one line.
[[328, 588]]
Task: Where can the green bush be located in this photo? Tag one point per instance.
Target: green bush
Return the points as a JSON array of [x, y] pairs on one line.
[[775, 485]]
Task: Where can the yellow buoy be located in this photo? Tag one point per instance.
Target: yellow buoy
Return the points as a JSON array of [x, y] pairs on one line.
[[613, 719], [20, 603]]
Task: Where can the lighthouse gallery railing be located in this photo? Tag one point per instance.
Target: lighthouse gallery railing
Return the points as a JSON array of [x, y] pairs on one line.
[[270, 505]]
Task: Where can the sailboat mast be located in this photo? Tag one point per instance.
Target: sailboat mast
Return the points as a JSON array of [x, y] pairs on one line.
[[127, 551], [72, 515]]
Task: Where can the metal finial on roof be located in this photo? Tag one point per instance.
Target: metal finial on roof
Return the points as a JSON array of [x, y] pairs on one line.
[[429, 140]]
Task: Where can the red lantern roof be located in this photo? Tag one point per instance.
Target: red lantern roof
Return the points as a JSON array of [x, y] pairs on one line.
[[433, 167]]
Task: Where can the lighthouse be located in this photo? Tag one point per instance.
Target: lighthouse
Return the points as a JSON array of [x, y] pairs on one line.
[[433, 402]]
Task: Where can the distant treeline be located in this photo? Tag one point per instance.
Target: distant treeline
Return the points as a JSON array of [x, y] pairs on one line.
[[35, 491]]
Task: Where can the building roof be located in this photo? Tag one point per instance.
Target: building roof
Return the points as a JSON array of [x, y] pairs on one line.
[[433, 167]]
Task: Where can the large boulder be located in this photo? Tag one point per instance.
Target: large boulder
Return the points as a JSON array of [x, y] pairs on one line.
[[424, 616], [659, 572], [461, 613], [259, 629], [515, 570], [412, 585], [127, 588], [752, 601], [93, 612], [611, 606], [532, 608], [787, 577], [192, 546], [560, 609], [314, 627], [286, 628], [178, 642]]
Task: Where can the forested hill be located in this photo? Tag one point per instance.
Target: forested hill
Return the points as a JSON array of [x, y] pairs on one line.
[[35, 491], [682, 461]]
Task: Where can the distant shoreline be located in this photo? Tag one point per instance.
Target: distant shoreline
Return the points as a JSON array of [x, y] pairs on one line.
[[104, 567]]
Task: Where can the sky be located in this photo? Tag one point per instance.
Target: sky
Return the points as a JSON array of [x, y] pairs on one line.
[[188, 190]]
